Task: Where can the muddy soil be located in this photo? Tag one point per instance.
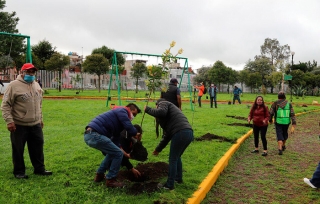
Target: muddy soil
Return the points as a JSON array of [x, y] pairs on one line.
[[151, 173]]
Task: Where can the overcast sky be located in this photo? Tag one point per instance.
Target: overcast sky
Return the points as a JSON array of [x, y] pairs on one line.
[[207, 30]]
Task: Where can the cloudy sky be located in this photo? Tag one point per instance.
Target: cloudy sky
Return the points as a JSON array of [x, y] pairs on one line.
[[207, 30]]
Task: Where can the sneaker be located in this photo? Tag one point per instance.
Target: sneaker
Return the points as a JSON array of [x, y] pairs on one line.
[[255, 151], [280, 152], [307, 181], [99, 177], [284, 148], [113, 183], [264, 154], [43, 173], [164, 186]]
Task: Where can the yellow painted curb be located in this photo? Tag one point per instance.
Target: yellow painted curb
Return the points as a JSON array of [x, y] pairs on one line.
[[212, 177]]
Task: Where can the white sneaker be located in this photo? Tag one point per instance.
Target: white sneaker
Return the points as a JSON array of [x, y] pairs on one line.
[[307, 181]]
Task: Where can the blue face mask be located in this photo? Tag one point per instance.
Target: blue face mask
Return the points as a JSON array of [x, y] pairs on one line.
[[29, 78]]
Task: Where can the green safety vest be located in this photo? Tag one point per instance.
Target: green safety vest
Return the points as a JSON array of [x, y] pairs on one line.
[[283, 115]]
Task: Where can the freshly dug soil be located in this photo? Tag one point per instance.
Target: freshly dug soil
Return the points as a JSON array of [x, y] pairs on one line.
[[151, 173], [210, 136]]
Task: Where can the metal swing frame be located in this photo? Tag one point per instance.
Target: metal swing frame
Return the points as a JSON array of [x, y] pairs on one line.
[[115, 69]]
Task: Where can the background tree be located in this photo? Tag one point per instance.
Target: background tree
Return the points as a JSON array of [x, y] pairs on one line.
[[275, 52], [253, 80], [232, 77], [9, 44], [96, 64], [137, 72], [263, 67], [202, 75], [22, 59], [275, 79], [44, 51], [305, 66], [57, 62], [218, 74], [242, 76], [108, 54]]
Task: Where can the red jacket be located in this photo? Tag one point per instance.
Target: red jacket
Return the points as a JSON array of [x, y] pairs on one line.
[[259, 116]]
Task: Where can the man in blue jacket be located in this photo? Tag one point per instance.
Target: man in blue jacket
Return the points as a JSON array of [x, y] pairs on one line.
[[98, 134], [236, 94]]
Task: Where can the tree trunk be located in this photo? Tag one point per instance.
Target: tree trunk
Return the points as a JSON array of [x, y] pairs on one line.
[[99, 76], [59, 81]]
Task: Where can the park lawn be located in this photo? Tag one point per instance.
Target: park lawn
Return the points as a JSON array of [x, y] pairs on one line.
[[132, 95], [74, 163]]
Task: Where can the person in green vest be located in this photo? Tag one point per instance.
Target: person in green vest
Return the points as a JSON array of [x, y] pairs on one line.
[[284, 115]]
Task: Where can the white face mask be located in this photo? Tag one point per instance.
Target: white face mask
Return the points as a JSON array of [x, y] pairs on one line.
[[131, 117]]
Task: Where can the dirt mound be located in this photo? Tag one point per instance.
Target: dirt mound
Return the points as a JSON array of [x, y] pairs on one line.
[[237, 117], [210, 136], [151, 173]]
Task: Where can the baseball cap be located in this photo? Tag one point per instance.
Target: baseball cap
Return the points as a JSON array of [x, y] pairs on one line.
[[27, 66]]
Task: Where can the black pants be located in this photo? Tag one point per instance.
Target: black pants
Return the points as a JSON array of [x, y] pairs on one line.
[[263, 131], [33, 136], [211, 101]]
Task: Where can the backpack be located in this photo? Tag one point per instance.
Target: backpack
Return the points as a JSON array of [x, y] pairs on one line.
[[205, 90]]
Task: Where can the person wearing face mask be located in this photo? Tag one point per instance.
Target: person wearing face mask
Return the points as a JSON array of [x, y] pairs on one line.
[[103, 134], [22, 111], [259, 114]]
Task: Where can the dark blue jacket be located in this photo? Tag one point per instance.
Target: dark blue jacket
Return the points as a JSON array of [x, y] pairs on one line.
[[111, 123]]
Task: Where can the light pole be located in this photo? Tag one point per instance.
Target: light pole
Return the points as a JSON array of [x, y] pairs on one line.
[[292, 54]]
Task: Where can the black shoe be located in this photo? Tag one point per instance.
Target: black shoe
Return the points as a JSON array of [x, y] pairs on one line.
[[164, 186], [178, 181], [284, 148], [280, 152], [264, 154], [21, 176], [255, 151], [44, 173]]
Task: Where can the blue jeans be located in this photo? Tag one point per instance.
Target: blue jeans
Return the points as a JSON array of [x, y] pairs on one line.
[[179, 142], [113, 158], [315, 180], [236, 97]]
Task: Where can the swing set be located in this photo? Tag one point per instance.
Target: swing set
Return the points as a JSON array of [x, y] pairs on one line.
[[116, 71], [28, 51]]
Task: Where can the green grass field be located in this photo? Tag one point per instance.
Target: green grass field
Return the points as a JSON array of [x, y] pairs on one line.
[[74, 163]]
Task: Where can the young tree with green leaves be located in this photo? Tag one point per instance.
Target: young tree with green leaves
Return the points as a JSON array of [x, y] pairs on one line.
[[137, 72], [57, 62], [96, 64]]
